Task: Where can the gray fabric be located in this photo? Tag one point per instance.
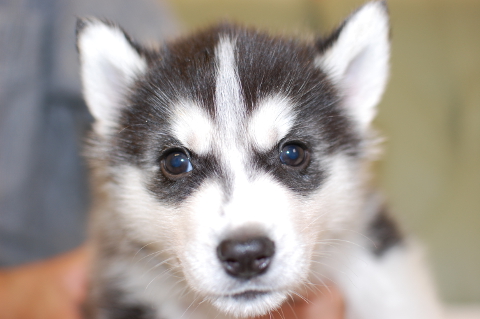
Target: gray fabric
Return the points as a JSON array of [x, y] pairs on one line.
[[43, 187]]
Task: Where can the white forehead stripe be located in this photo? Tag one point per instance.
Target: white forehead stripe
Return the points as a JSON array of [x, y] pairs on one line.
[[270, 122], [192, 126], [228, 94], [230, 110]]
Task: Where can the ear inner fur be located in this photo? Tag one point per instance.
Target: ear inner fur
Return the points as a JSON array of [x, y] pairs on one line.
[[355, 58]]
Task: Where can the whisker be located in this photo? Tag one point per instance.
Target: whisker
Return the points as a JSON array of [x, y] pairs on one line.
[[186, 310], [142, 248], [198, 304], [313, 221], [157, 276], [293, 310], [323, 283], [301, 297], [327, 240], [280, 312], [156, 266], [153, 255]]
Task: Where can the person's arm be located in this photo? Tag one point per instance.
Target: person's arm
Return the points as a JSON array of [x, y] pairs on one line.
[[56, 288], [50, 289]]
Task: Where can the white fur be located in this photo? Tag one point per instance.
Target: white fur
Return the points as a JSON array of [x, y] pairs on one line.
[[193, 127], [358, 61], [193, 230], [230, 110], [208, 219], [252, 206], [110, 65], [270, 122], [306, 229], [302, 229], [228, 93], [142, 214], [152, 278], [395, 286]]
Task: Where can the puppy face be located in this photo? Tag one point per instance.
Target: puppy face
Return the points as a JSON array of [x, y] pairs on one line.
[[233, 151]]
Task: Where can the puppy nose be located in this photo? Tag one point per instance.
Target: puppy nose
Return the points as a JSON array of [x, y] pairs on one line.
[[246, 258]]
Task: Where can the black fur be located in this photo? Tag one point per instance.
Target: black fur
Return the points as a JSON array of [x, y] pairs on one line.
[[384, 233], [324, 43], [301, 180], [111, 305], [127, 312], [186, 69]]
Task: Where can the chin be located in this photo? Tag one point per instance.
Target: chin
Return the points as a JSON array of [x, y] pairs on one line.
[[249, 303]]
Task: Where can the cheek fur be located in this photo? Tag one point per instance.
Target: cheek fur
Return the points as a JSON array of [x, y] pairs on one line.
[[191, 232], [338, 203], [144, 217], [147, 220], [263, 204]]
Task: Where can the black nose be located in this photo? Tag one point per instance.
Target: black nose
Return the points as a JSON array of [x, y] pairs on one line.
[[246, 258]]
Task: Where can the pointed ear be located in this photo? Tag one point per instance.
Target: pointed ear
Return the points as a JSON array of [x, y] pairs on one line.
[[110, 64], [355, 57]]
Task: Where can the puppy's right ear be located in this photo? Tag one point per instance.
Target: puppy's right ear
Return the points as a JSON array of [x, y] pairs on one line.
[[110, 64], [355, 57]]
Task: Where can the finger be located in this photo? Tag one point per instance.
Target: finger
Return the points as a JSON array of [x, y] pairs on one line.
[[75, 268], [328, 305]]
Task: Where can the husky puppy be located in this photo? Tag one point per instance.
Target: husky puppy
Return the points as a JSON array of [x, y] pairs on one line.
[[231, 174]]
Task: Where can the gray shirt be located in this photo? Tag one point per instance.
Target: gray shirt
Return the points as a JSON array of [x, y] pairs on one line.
[[43, 119]]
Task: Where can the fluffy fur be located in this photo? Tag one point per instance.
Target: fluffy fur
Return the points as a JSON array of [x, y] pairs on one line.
[[231, 99]]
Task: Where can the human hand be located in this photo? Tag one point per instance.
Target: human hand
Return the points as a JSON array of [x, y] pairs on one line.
[[50, 289], [56, 289]]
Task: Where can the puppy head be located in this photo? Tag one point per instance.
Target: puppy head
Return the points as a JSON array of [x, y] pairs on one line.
[[236, 150]]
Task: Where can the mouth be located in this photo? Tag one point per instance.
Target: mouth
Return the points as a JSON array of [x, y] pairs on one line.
[[249, 295]]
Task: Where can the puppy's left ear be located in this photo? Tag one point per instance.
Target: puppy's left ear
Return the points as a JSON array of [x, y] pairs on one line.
[[355, 57], [110, 64]]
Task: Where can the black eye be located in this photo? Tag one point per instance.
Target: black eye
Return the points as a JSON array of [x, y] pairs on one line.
[[176, 163], [293, 155]]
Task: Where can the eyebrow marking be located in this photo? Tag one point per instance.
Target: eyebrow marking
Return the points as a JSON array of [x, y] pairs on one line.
[[271, 121], [193, 126]]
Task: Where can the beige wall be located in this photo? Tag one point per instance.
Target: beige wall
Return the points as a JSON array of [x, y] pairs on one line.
[[430, 115]]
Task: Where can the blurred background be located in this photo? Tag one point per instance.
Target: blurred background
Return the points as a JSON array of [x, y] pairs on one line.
[[430, 116]]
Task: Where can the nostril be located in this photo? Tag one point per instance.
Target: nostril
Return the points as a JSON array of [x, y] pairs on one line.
[[246, 258], [231, 265], [262, 263]]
